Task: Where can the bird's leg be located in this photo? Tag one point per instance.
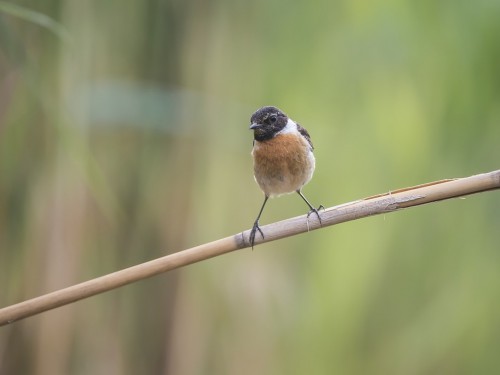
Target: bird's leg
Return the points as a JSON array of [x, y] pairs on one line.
[[256, 224], [311, 208]]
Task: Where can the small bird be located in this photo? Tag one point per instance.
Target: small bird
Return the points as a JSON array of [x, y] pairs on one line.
[[283, 160]]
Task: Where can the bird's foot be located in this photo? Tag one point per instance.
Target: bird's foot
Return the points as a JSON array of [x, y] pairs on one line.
[[254, 231], [316, 211]]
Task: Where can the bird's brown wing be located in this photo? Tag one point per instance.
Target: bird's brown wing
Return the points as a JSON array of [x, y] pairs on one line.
[[306, 135]]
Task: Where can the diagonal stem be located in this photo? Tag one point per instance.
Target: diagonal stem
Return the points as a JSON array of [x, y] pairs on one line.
[[378, 204]]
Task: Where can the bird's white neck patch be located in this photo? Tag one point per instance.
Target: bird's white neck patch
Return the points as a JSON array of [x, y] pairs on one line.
[[290, 127]]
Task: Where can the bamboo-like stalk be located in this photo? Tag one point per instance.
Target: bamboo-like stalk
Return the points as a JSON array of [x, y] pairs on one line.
[[378, 204]]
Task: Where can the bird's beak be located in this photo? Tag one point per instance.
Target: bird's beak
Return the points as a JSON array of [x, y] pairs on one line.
[[254, 126]]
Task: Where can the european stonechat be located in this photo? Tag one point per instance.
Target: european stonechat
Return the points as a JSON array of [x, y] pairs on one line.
[[283, 160]]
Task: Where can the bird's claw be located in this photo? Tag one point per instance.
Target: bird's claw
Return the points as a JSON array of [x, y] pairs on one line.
[[254, 231], [315, 210]]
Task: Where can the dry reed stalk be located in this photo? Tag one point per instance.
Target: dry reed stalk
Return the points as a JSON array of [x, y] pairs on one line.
[[375, 205]]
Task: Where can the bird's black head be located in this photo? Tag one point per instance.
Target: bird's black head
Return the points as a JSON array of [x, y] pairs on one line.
[[266, 122]]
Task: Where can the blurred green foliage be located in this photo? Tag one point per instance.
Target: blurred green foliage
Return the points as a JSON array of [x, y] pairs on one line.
[[123, 137]]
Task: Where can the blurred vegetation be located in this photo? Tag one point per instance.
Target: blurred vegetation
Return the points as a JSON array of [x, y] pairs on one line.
[[124, 137]]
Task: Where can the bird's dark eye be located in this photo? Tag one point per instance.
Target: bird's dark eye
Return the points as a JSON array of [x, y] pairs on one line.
[[272, 119]]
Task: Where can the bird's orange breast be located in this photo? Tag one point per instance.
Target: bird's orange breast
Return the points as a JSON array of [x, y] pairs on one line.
[[283, 164]]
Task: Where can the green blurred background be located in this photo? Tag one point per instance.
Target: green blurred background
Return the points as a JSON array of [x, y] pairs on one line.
[[124, 137]]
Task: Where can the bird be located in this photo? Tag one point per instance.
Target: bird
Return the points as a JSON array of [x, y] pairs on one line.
[[283, 159]]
